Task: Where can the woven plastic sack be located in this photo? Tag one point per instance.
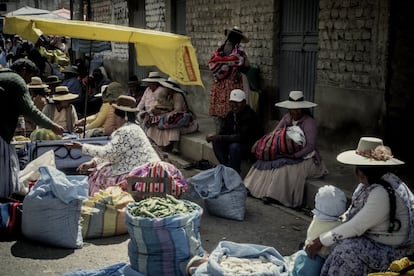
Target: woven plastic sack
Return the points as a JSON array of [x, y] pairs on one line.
[[52, 209], [103, 214], [163, 246], [223, 192]]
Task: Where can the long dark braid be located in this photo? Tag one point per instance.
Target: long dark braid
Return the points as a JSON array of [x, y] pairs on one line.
[[374, 174]]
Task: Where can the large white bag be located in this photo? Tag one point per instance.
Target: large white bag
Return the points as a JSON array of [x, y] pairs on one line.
[[31, 171]]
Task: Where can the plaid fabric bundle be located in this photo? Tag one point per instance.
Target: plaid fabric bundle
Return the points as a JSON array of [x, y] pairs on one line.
[[274, 145], [224, 67], [170, 120], [160, 169]]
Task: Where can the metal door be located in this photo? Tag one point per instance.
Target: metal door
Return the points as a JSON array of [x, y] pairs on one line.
[[299, 47]]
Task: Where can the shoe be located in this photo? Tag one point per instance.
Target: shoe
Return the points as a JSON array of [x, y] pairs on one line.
[[268, 200], [203, 164], [167, 148], [189, 166]]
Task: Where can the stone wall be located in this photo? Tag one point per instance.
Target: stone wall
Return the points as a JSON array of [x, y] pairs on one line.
[[206, 22], [352, 65], [115, 61]]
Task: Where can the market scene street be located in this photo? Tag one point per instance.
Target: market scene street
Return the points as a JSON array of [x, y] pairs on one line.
[[198, 138]]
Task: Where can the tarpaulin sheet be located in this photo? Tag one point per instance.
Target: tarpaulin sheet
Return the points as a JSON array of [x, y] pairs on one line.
[[173, 54]]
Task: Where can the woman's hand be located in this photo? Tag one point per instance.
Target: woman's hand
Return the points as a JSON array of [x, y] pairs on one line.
[[74, 145], [84, 167], [313, 248], [80, 122]]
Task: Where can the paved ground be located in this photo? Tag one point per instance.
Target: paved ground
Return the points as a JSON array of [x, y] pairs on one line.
[[271, 225], [268, 225]]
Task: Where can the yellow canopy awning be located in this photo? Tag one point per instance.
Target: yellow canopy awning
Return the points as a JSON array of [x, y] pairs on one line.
[[173, 54]]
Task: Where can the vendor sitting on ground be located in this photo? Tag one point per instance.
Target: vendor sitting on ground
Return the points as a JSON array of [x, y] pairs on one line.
[[128, 148], [95, 124], [61, 110]]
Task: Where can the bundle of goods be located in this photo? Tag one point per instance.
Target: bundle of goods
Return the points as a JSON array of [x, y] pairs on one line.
[[155, 177], [164, 235], [230, 258], [103, 214]]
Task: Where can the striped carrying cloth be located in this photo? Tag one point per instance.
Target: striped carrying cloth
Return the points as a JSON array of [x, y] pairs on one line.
[[164, 246], [274, 145], [159, 169]]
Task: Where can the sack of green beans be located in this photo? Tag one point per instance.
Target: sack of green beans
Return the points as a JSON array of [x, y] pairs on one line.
[[164, 235]]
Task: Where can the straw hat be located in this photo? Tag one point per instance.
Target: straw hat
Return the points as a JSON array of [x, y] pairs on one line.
[[370, 152], [236, 30], [52, 79], [154, 77], [62, 94], [70, 70], [133, 80], [126, 103], [172, 84], [296, 100], [36, 82]]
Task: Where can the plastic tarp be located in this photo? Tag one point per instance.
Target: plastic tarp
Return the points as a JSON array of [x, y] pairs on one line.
[[173, 54], [38, 13]]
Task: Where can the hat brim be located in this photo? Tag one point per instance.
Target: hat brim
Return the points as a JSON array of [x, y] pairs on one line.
[[170, 86], [37, 86], [350, 157], [53, 82], [153, 80], [125, 108], [295, 105], [66, 97], [244, 39]]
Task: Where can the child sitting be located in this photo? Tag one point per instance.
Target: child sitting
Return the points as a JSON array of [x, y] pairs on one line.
[[330, 204]]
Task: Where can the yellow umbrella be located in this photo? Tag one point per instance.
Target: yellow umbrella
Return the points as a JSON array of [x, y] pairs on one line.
[[173, 54]]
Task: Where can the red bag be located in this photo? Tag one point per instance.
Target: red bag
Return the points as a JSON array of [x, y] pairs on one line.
[[10, 220], [274, 145]]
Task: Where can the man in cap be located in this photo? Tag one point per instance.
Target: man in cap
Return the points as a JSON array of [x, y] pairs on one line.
[[241, 128]]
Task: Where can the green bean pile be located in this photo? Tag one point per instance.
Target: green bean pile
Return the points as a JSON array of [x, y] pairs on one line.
[[159, 207]]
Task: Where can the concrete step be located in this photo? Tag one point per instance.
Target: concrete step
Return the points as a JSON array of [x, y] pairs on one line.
[[194, 147]]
